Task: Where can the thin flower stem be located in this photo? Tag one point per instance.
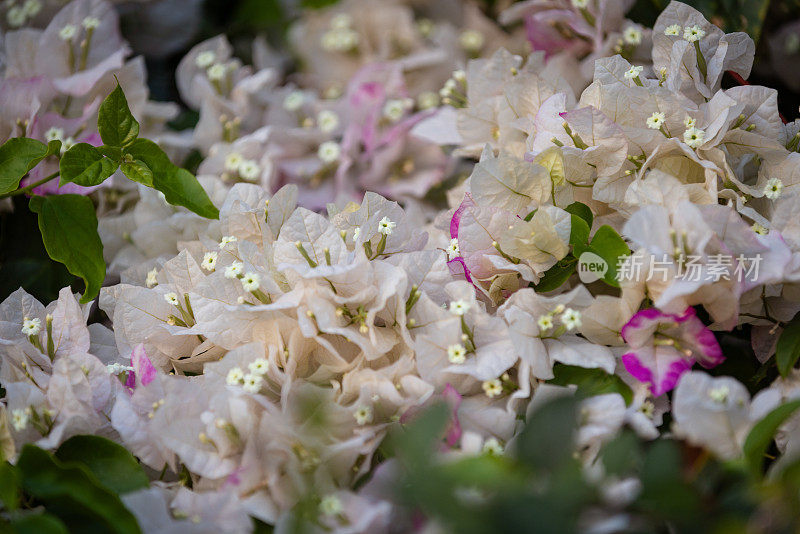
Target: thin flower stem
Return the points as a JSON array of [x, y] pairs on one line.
[[29, 188]]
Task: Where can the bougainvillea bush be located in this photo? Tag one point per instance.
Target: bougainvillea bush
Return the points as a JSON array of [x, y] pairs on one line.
[[422, 267]]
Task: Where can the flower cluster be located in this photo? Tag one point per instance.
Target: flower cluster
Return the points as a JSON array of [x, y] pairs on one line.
[[265, 356]]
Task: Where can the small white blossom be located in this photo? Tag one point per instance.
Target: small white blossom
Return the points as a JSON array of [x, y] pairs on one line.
[[759, 229], [694, 137], [152, 278], [19, 420], [459, 307], [234, 270], [341, 21], [394, 109], [633, 72], [471, 40], [68, 32], [172, 298], [363, 415], [452, 249], [545, 322], [294, 101], [694, 33], [580, 4], [232, 161], [386, 226], [689, 122], [209, 261], [227, 240], [492, 388], [90, 23], [427, 100], [327, 120], [773, 188], [329, 151], [674, 29], [205, 59], [31, 327], [54, 134], [259, 367], [234, 377], [632, 35], [251, 281], [117, 368], [719, 394], [571, 318], [492, 446], [330, 505], [216, 72], [32, 7], [456, 353], [16, 16], [252, 383], [656, 120], [249, 170]]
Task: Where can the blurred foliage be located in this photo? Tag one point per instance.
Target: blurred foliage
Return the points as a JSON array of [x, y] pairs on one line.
[[539, 485], [75, 490]]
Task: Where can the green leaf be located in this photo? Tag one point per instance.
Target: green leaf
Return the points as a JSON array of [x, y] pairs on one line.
[[181, 188], [556, 275], [763, 433], [787, 350], [579, 231], [112, 464], [84, 165], [546, 442], [116, 124], [42, 523], [113, 152], [607, 244], [590, 382], [138, 171], [9, 486], [17, 157], [581, 210], [73, 494], [622, 455], [68, 224]]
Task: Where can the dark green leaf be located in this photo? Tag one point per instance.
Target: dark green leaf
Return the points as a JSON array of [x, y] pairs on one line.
[[113, 152], [69, 230], [18, 156], [787, 350], [73, 494], [623, 455], [116, 124], [607, 244], [581, 210], [181, 188], [546, 442], [42, 523], [579, 231], [111, 463], [138, 171], [763, 433], [84, 165], [556, 275], [9, 486], [590, 382], [151, 155]]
